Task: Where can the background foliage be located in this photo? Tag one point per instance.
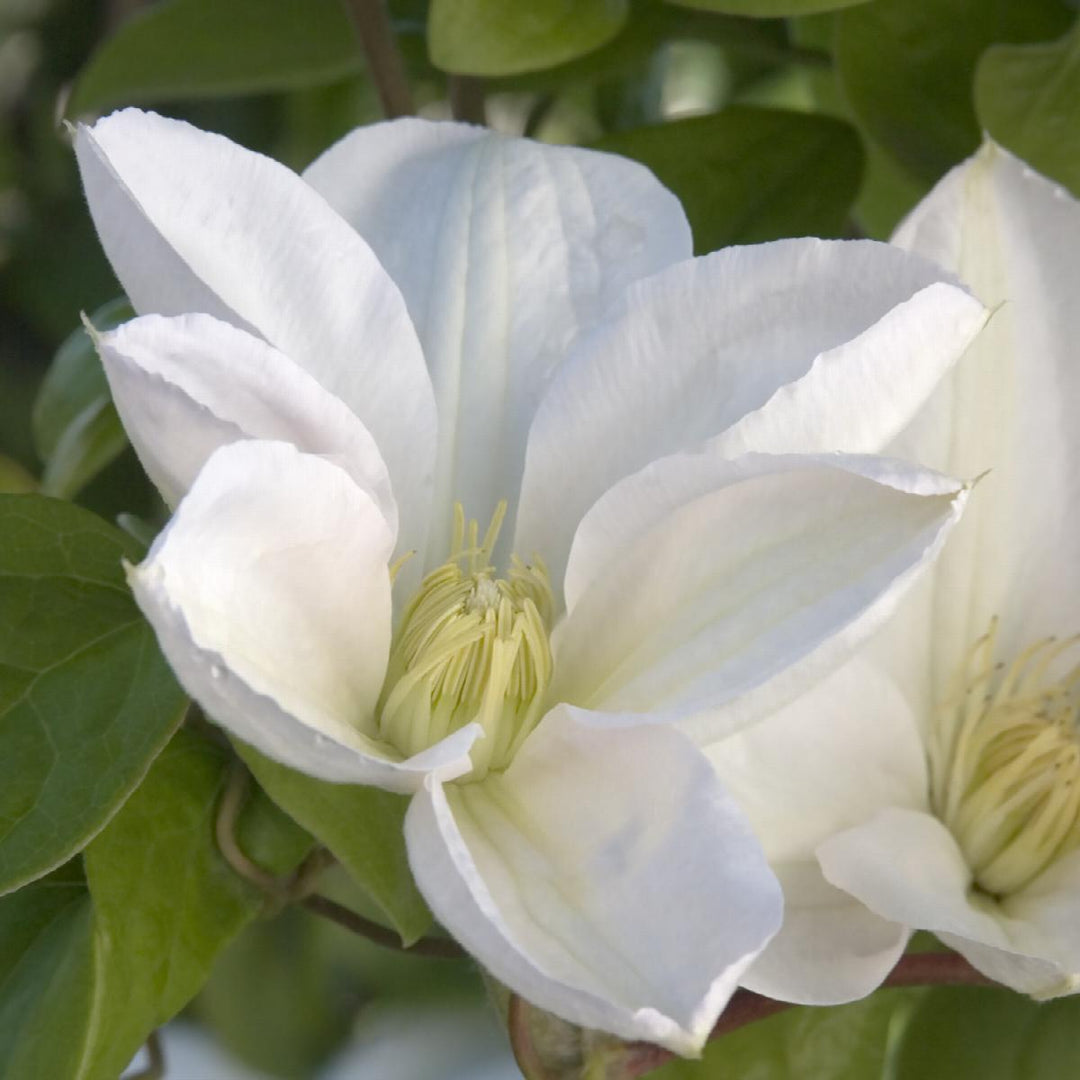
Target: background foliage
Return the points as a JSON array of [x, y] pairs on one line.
[[768, 118]]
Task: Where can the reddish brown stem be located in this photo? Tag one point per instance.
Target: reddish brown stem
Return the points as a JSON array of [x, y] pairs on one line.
[[467, 99], [746, 1007], [385, 65], [443, 948]]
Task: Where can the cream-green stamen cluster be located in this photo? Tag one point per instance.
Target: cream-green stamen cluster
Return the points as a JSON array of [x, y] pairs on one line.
[[471, 646], [1006, 772]]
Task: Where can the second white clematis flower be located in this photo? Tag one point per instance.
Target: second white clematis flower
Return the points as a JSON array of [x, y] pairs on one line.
[[934, 782], [525, 333]]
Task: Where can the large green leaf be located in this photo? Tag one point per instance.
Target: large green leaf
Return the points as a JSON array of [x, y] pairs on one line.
[[1028, 98], [492, 37], [746, 175], [847, 1042], [76, 429], [46, 978], [166, 902], [204, 48], [86, 700], [907, 69], [89, 967], [975, 1033], [767, 9], [362, 826]]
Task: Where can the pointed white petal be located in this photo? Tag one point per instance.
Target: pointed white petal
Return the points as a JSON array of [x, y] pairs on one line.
[[828, 761], [505, 249], [193, 223], [907, 867], [1014, 237], [716, 590], [691, 351], [186, 385], [605, 877], [270, 596]]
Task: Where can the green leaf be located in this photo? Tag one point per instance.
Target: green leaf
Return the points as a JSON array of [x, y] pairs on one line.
[[46, 977], [279, 1001], [846, 1042], [14, 478], [86, 700], [362, 826], [76, 429], [907, 68], [166, 901], [767, 9], [977, 1033], [1028, 98], [746, 175], [208, 48], [492, 37]]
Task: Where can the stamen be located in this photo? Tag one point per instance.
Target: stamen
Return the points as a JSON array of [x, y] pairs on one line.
[[471, 647], [1006, 763]]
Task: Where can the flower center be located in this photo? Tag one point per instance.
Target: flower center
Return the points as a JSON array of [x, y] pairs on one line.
[[1006, 769], [470, 647]]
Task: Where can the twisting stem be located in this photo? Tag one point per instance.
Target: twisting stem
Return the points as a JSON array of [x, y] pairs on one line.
[[155, 1068], [467, 99], [298, 887], [443, 948], [232, 802], [384, 61]]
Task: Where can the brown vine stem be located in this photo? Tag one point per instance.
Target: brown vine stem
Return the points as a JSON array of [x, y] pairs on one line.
[[443, 948], [385, 65], [155, 1068], [745, 1007], [297, 887], [467, 99]]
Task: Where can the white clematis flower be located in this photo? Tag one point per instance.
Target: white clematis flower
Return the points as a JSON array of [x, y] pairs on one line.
[[526, 342], [934, 782]]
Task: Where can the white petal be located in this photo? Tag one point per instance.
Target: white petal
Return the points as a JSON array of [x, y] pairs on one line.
[[504, 249], [270, 596], [828, 761], [193, 223], [907, 867], [1009, 407], [715, 591], [830, 949], [1052, 903], [185, 386], [839, 752], [691, 351], [605, 877]]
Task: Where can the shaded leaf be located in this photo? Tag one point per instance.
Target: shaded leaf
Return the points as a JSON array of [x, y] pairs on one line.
[[166, 902], [492, 37], [14, 478], [362, 826], [206, 48], [77, 432], [907, 70], [746, 175], [86, 700], [957, 1033], [1028, 98], [46, 977]]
